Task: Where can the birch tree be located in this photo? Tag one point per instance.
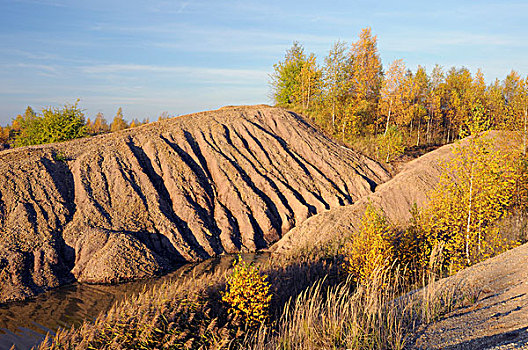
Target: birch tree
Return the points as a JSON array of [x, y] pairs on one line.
[[365, 81], [335, 73], [476, 190], [391, 91]]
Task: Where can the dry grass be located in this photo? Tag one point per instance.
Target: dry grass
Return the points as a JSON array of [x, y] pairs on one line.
[[173, 315], [313, 307], [377, 315], [184, 314]]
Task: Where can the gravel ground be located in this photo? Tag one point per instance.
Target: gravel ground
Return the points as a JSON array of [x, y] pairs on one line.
[[498, 319]]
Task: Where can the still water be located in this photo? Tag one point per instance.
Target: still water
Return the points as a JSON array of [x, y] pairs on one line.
[[25, 324]]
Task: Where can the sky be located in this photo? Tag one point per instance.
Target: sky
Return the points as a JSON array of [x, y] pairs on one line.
[[179, 57]]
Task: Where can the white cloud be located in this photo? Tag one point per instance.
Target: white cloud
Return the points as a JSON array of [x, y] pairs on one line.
[[199, 73]]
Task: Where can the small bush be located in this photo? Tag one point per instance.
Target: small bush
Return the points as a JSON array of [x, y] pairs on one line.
[[55, 125], [60, 157], [371, 248], [247, 294]]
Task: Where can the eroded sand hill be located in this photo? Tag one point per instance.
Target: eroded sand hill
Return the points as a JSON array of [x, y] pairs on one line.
[[395, 197], [131, 204]]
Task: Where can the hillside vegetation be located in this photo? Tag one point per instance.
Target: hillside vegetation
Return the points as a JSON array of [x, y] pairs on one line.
[[381, 109]]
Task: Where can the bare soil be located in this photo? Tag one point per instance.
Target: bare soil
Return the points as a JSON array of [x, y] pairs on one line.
[[395, 197], [496, 319], [131, 204]]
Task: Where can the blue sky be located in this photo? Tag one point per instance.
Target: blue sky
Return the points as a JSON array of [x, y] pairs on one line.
[[185, 56]]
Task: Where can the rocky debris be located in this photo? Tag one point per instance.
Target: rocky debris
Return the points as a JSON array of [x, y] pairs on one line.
[[130, 204], [496, 319]]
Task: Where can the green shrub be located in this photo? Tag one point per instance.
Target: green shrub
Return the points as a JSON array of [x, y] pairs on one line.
[[55, 125]]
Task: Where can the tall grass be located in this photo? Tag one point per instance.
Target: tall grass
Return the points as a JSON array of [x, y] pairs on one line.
[[313, 307], [379, 314]]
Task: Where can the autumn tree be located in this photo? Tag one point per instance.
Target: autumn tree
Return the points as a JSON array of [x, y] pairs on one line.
[[390, 144], [371, 248], [285, 80], [118, 123], [4, 136], [365, 83], [496, 104], [26, 129], [475, 191], [460, 100], [247, 294], [434, 100], [479, 87], [391, 99], [100, 125], [516, 100], [163, 116], [335, 72], [419, 100], [309, 82]]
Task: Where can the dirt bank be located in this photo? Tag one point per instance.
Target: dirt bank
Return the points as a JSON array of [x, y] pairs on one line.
[[130, 204]]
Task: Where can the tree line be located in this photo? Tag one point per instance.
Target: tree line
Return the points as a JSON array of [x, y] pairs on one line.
[[351, 96], [61, 124]]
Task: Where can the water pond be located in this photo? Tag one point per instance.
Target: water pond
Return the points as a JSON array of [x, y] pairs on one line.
[[25, 324]]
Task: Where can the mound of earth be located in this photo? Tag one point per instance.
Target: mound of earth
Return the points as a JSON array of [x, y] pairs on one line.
[[497, 317], [395, 197], [131, 204]]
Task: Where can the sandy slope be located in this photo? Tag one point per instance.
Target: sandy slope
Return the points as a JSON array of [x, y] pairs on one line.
[[130, 204], [498, 319], [395, 197]]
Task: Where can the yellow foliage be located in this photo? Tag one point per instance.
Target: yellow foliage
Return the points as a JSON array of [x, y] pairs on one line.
[[476, 190], [247, 294], [390, 144], [371, 248], [411, 248]]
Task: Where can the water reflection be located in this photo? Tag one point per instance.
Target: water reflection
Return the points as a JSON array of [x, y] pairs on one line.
[[24, 324]]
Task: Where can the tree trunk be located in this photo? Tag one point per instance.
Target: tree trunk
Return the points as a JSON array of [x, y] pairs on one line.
[[419, 127], [524, 136], [468, 226], [343, 132], [388, 117], [333, 116], [308, 97], [479, 237], [428, 136]]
